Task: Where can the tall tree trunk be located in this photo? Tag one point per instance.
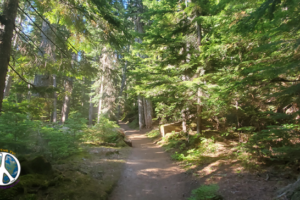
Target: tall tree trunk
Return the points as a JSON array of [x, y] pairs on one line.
[[183, 117], [199, 92], [91, 108], [9, 77], [141, 112], [7, 85], [144, 118], [9, 15], [148, 112], [121, 89], [91, 111], [199, 111], [54, 117], [237, 119], [101, 98], [44, 80], [66, 105]]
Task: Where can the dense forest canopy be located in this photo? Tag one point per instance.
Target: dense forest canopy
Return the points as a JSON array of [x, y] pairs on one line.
[[224, 64]]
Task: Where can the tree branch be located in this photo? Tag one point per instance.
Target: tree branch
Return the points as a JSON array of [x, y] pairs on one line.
[[43, 32], [22, 78], [50, 26]]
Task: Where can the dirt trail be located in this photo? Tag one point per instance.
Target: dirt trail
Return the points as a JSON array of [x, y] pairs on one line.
[[149, 174]]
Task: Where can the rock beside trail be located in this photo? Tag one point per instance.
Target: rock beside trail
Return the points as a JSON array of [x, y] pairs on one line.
[[290, 192], [123, 135], [128, 141]]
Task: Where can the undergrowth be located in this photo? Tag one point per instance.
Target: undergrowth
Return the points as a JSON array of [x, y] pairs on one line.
[[153, 134], [205, 192], [134, 124]]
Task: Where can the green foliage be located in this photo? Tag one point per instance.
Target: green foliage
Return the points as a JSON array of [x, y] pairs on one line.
[[105, 131], [15, 127], [76, 124], [59, 144], [205, 192], [153, 134], [206, 146], [134, 124]]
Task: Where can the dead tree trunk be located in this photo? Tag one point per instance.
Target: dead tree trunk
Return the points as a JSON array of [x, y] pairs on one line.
[[7, 25]]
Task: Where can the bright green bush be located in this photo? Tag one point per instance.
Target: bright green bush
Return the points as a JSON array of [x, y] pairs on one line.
[[16, 130], [153, 134], [105, 131], [205, 192], [59, 144]]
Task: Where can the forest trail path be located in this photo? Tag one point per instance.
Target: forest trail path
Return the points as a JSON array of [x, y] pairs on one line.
[[149, 174]]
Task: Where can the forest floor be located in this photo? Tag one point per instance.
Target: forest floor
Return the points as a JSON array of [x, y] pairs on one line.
[[150, 174], [88, 175], [239, 177]]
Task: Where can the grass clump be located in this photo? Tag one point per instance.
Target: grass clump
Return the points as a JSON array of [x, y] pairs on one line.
[[153, 134], [206, 192], [206, 147]]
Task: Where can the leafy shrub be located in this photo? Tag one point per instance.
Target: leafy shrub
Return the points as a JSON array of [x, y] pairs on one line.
[[276, 142], [178, 156], [207, 146], [205, 192], [75, 124], [105, 131], [15, 127], [153, 134], [59, 144]]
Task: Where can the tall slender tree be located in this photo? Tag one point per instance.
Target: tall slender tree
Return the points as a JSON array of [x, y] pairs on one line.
[[6, 34]]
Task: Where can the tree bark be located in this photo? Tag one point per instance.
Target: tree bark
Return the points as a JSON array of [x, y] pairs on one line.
[[101, 99], [141, 112], [7, 85], [199, 111], [147, 112], [54, 117], [91, 108], [66, 105], [6, 34], [183, 117], [121, 89], [199, 92], [9, 77]]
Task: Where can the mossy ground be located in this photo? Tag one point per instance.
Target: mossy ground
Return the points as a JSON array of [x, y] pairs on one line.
[[88, 175]]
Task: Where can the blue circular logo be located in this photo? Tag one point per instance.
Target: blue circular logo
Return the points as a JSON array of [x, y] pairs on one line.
[[10, 169]]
